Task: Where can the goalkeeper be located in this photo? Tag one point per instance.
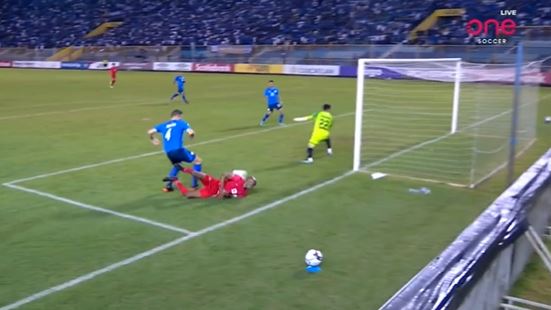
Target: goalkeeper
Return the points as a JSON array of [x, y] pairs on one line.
[[323, 121]]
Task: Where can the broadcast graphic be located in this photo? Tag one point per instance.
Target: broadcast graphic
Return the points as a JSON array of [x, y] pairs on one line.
[[275, 154], [491, 30]]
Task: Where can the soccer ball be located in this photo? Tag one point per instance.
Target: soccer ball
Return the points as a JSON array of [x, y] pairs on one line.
[[547, 119], [313, 258]]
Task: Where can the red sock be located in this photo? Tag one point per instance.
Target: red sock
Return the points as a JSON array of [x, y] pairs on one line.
[[187, 170], [181, 187]]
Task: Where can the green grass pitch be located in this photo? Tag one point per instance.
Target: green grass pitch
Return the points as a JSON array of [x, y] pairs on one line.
[[374, 234]]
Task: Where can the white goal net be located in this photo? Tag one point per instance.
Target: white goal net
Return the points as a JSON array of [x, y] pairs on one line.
[[440, 120]]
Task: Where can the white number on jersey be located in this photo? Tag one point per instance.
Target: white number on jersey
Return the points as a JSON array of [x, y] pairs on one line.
[[168, 134]]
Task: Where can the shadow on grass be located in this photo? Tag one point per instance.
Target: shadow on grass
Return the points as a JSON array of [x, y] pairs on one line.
[[167, 202], [240, 128], [288, 165]]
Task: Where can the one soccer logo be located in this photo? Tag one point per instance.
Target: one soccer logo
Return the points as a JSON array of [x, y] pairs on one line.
[[492, 31]]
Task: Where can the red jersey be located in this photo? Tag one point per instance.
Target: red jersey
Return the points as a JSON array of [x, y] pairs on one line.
[[235, 187], [113, 71], [210, 187]]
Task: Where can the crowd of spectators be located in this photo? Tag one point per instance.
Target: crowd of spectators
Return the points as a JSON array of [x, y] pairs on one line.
[[452, 30], [58, 23]]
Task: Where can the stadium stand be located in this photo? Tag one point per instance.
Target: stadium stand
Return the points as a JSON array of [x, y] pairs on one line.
[[451, 30], [49, 23]]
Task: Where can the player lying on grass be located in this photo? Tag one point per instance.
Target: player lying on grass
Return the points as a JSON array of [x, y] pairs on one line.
[[172, 132], [323, 121], [235, 184]]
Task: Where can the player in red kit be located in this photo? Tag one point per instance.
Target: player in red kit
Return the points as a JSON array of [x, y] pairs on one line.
[[113, 73], [230, 185]]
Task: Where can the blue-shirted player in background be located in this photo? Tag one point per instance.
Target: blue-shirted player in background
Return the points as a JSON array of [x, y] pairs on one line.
[[172, 132], [272, 100], [180, 82]]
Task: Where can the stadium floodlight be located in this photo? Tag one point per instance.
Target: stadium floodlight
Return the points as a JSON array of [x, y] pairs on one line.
[[438, 119]]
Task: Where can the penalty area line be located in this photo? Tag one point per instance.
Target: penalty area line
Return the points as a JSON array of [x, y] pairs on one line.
[[118, 160], [98, 209], [93, 108], [171, 244]]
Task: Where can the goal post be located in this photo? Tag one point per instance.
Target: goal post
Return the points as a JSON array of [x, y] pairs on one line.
[[360, 79], [438, 119], [456, 88]]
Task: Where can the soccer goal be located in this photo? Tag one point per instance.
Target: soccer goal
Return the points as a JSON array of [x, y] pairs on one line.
[[441, 120]]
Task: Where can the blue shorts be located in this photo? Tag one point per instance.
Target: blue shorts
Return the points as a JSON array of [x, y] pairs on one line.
[[275, 106], [181, 155], [180, 90]]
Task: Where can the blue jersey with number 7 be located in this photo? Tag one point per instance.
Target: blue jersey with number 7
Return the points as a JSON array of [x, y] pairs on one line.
[[173, 134]]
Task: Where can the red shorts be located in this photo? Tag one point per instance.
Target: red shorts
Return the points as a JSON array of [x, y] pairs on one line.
[[113, 77], [211, 186]]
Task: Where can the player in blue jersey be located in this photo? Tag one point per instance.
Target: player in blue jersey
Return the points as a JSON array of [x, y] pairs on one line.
[[172, 132], [272, 101], [180, 81]]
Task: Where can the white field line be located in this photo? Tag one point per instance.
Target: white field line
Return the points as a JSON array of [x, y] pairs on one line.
[[498, 168], [102, 210], [114, 106], [119, 214], [482, 180], [103, 163], [171, 244], [46, 104], [118, 160], [199, 233], [434, 140]]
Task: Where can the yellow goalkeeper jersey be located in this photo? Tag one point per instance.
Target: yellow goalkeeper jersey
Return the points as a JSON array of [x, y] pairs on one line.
[[323, 120]]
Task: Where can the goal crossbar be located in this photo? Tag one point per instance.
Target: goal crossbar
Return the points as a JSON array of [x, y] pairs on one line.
[[387, 60]]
